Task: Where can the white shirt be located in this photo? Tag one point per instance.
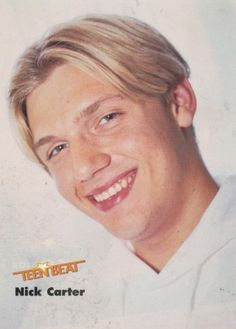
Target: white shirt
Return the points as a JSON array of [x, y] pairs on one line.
[[195, 290]]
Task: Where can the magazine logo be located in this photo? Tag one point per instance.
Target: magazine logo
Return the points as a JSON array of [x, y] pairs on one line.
[[45, 269]]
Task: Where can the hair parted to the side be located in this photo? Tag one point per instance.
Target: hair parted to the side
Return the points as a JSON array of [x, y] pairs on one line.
[[134, 57]]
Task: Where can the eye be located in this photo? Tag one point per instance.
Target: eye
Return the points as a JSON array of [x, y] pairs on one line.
[[56, 150], [107, 118]]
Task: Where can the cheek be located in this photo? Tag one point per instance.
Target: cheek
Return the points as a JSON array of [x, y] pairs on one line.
[[135, 140], [155, 150], [145, 145]]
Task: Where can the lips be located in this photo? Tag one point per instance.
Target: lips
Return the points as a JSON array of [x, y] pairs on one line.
[[112, 193]]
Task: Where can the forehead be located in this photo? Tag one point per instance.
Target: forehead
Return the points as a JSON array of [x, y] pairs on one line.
[[66, 88], [64, 83]]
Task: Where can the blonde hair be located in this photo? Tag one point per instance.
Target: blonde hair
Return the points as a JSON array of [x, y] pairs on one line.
[[131, 55]]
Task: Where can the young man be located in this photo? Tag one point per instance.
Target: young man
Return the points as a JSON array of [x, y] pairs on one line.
[[105, 106]]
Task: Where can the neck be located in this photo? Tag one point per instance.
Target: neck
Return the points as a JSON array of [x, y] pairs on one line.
[[157, 250]]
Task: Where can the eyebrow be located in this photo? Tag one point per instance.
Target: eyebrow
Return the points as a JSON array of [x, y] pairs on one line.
[[44, 140], [88, 110]]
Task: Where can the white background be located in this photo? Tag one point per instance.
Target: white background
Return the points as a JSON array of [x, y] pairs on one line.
[[36, 223]]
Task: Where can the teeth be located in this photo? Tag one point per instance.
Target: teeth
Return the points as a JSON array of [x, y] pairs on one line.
[[117, 187], [114, 189], [105, 195], [97, 198], [124, 183]]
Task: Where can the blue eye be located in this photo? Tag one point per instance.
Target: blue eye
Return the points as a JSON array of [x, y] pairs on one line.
[[107, 118], [56, 150]]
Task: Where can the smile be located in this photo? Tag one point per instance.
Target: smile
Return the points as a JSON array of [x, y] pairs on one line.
[[110, 196]]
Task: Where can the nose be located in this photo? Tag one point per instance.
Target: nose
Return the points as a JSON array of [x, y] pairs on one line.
[[87, 160]]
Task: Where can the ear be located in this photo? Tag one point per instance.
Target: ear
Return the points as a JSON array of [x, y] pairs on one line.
[[183, 104]]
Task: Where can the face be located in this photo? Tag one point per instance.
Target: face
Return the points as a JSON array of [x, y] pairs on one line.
[[119, 160]]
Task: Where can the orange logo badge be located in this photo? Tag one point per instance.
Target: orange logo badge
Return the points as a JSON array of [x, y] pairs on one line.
[[45, 269]]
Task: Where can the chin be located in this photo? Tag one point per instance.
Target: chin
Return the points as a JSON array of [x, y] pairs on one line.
[[125, 227]]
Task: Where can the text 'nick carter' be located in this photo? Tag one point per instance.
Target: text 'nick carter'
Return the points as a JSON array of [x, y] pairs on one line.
[[35, 291]]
